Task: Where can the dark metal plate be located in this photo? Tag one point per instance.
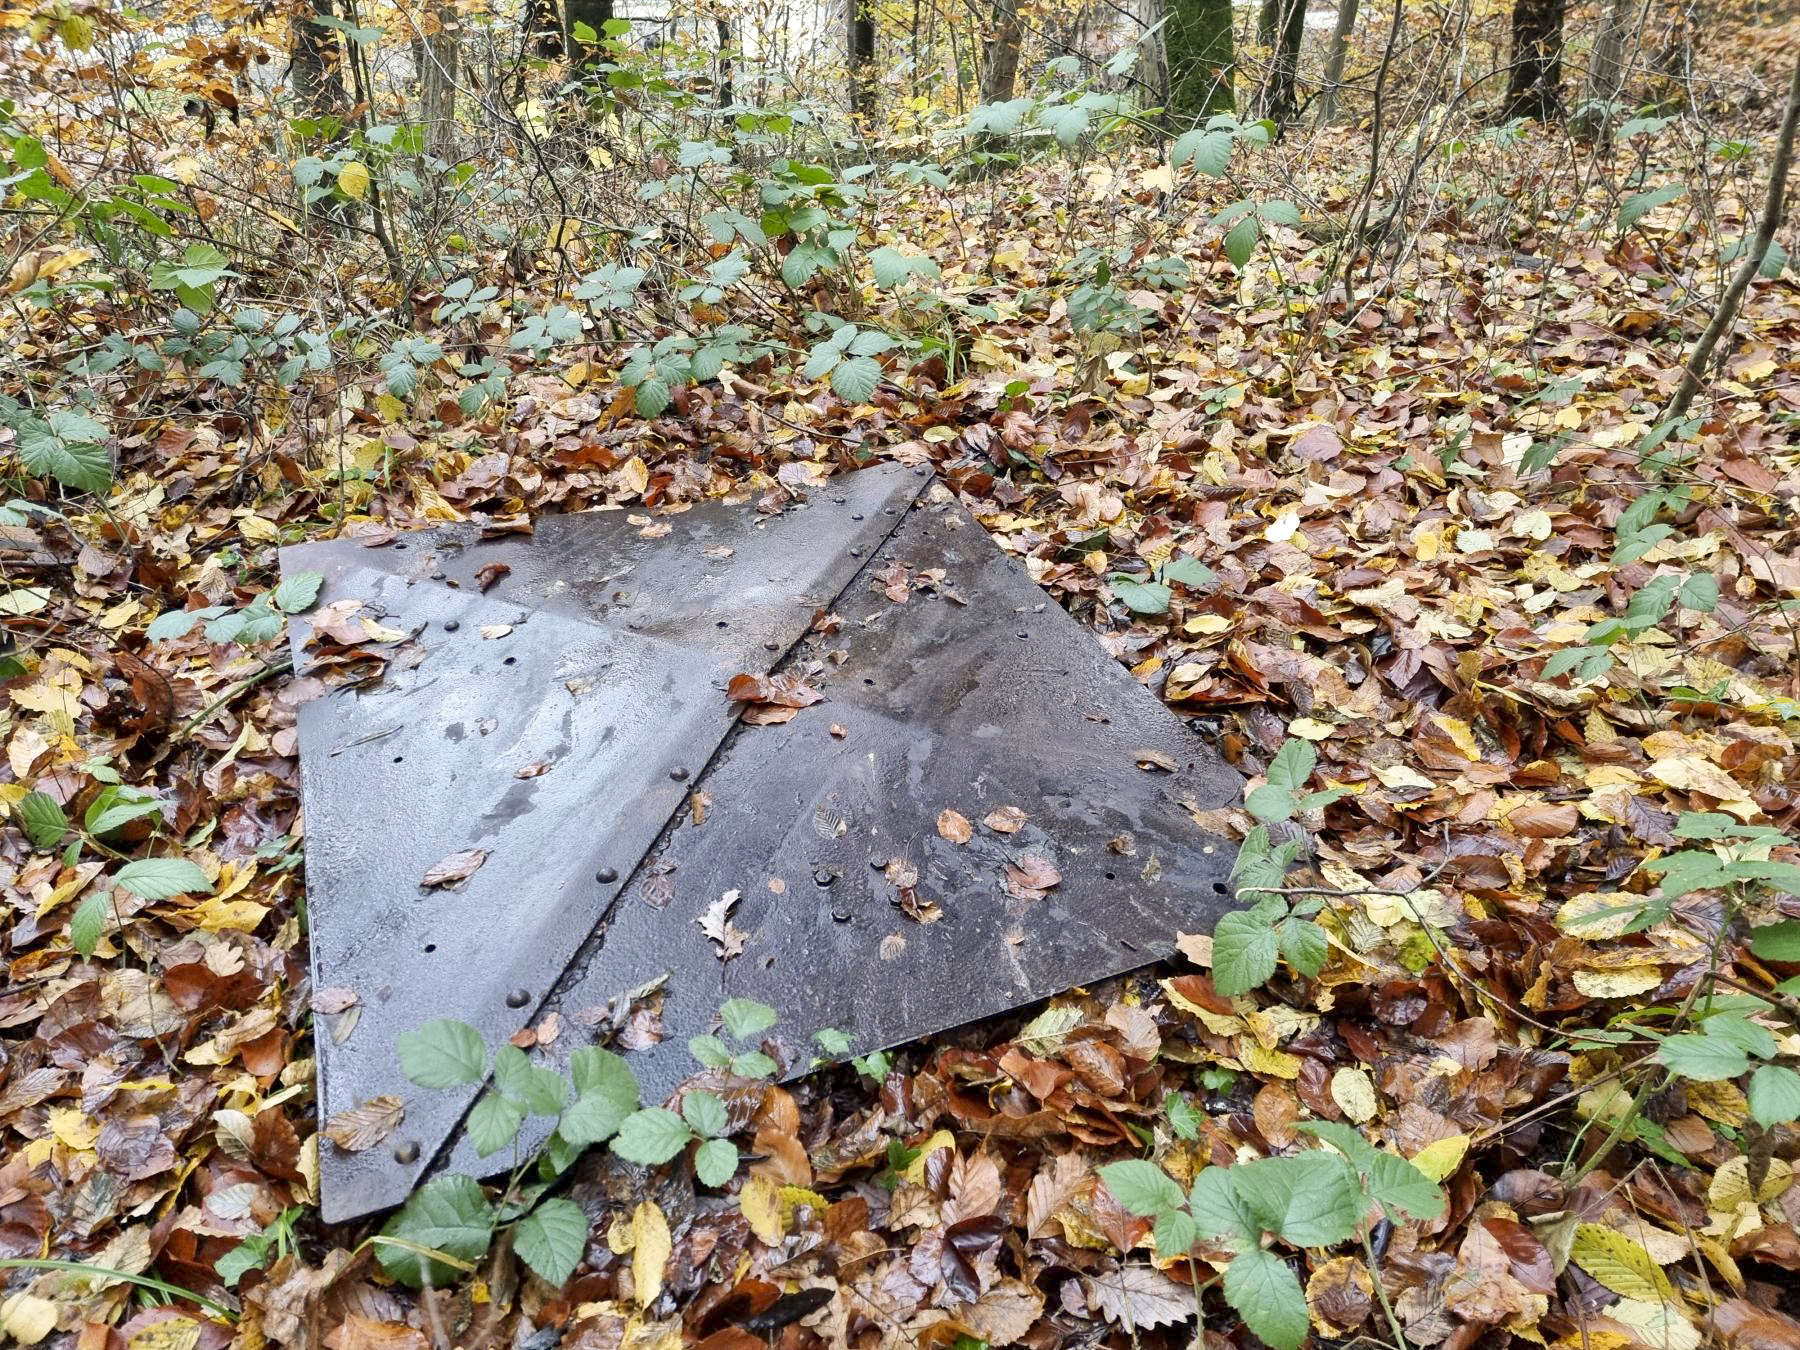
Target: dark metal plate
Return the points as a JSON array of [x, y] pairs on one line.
[[975, 693]]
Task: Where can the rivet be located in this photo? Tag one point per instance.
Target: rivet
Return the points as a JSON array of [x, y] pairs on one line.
[[920, 472], [840, 916], [888, 512], [771, 646], [606, 875], [838, 501], [437, 576], [679, 775], [451, 625], [518, 998], [1025, 635], [824, 876], [856, 553], [407, 1152], [856, 515]]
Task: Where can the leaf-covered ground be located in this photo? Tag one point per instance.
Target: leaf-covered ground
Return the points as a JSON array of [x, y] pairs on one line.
[[1409, 504]]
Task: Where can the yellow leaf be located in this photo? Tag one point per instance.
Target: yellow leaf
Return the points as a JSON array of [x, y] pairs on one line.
[[915, 1171], [27, 1319], [1620, 1264], [74, 1127], [1273, 1063], [1618, 983], [1731, 1183], [1354, 1092], [634, 477], [1658, 1325], [1310, 729], [220, 916], [1441, 1157], [760, 1202], [172, 1333], [353, 179], [650, 1251]]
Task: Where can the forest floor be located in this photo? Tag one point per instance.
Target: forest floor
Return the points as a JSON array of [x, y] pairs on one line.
[[1410, 504]]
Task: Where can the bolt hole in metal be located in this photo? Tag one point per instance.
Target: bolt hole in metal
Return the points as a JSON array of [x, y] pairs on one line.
[[1111, 877], [510, 661], [399, 759], [1219, 888], [430, 947], [722, 623]]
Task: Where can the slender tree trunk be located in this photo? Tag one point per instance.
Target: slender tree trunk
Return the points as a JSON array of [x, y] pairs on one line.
[[1153, 52], [1201, 57], [862, 58], [1534, 80], [318, 63], [1284, 65], [1675, 54], [726, 93], [1334, 60], [1606, 72], [436, 55], [1000, 72]]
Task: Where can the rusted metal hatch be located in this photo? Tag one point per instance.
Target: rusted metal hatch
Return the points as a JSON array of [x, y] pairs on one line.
[[559, 704]]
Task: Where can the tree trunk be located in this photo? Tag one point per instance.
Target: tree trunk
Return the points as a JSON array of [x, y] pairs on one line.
[[862, 58], [1606, 72], [1534, 80], [726, 92], [1334, 60], [436, 57], [1000, 73], [318, 63], [1284, 65], [1201, 58]]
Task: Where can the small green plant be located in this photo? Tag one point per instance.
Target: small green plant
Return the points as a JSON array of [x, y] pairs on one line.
[[1715, 1036], [259, 621], [1155, 596], [273, 1242], [1318, 1198], [1248, 944], [453, 1217]]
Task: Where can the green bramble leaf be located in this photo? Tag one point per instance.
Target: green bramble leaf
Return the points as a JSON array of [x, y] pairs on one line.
[[552, 1239], [1267, 1295], [653, 1135], [705, 1113], [1143, 1188], [444, 1053], [716, 1162], [494, 1123], [87, 923], [1245, 952], [448, 1215], [162, 878], [745, 1017]]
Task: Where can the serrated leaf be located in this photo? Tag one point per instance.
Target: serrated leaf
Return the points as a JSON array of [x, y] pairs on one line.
[[1703, 1058], [1141, 1187], [1641, 205], [43, 819], [84, 466], [552, 1239], [1219, 1208], [650, 396], [710, 1051], [1175, 1232], [1188, 571], [855, 378], [598, 1072], [1245, 951], [1240, 241], [494, 1123], [1774, 1095], [1311, 1199], [594, 1118], [541, 1091], [1303, 945], [1184, 1117], [442, 1054], [716, 1162], [171, 624], [1269, 803], [448, 1215], [745, 1017], [1267, 1295], [1396, 1182], [87, 923], [653, 1135], [162, 878], [705, 1112], [298, 592]]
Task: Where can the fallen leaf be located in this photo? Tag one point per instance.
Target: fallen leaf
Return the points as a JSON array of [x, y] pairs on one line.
[[364, 1126], [954, 827], [1004, 819], [457, 867]]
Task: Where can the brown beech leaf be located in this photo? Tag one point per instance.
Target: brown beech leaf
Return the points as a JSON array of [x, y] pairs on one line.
[[954, 826], [1004, 819], [489, 574], [457, 867], [366, 1125]]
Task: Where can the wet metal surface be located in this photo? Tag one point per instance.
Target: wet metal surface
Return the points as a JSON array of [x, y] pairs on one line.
[[975, 693]]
